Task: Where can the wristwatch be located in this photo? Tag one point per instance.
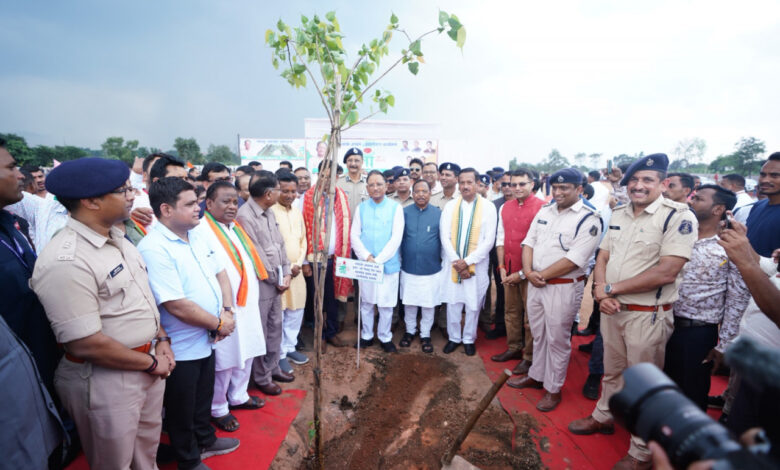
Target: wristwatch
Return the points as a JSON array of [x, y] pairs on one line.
[[608, 289]]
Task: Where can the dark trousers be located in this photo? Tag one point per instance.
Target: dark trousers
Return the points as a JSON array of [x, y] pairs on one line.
[[308, 310], [188, 394], [685, 351], [330, 306], [499, 318], [596, 361]]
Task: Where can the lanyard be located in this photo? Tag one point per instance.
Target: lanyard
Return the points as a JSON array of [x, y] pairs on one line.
[[18, 251]]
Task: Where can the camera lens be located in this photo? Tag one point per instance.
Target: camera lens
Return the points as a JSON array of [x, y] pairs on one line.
[[653, 408]]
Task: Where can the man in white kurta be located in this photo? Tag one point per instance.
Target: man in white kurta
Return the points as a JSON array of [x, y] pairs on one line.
[[235, 353], [376, 234], [469, 266]]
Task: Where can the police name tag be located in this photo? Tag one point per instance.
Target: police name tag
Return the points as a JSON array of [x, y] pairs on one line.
[[359, 270]]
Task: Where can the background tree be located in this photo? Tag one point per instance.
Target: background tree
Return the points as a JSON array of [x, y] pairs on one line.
[[745, 160], [189, 150], [222, 154], [554, 161], [624, 159], [116, 148], [689, 152], [595, 159], [17, 147], [581, 159], [313, 53]]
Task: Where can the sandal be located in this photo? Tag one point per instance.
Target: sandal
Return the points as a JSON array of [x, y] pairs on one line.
[[227, 423], [406, 341], [426, 345], [252, 404]]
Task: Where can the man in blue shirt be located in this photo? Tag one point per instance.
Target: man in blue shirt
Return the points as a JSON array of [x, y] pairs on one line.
[[763, 223], [420, 265], [195, 299]]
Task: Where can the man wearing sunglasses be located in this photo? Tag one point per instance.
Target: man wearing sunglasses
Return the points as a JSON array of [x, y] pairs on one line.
[[415, 169], [514, 221]]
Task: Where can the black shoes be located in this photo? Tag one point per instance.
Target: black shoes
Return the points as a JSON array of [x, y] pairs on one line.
[[469, 349], [406, 341], [495, 333], [365, 343], [586, 348], [591, 388], [388, 347], [451, 346]]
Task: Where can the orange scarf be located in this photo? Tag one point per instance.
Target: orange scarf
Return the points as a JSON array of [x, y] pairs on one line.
[[235, 255]]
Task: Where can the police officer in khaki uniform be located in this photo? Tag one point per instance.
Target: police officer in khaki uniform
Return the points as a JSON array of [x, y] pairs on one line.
[[636, 277], [562, 238], [353, 182], [93, 284], [448, 177]]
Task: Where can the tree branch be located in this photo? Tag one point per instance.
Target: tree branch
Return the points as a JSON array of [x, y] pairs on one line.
[[319, 91], [360, 96], [358, 122]]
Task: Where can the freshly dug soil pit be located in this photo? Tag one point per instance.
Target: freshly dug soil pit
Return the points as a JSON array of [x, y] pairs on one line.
[[411, 411]]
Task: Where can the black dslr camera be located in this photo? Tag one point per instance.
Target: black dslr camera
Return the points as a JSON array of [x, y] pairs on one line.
[[652, 407]]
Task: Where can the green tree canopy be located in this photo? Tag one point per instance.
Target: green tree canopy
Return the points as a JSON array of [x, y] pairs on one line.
[[118, 149], [17, 147], [745, 160], [222, 154], [189, 150]]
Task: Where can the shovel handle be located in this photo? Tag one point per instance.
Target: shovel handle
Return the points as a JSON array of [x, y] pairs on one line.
[[483, 404]]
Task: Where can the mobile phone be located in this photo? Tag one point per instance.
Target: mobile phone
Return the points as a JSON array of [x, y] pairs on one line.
[[609, 166]]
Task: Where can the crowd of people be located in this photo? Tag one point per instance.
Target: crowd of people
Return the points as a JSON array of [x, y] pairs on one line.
[[151, 298]]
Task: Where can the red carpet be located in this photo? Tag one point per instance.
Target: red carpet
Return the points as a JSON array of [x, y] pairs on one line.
[[560, 449], [262, 432]]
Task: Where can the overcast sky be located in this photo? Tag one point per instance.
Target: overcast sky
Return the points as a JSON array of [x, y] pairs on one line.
[[581, 76]]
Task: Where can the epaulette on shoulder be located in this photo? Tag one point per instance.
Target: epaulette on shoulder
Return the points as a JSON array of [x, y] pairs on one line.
[[675, 205], [66, 245]]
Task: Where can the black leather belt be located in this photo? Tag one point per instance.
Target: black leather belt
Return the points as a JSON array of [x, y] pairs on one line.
[[681, 322]]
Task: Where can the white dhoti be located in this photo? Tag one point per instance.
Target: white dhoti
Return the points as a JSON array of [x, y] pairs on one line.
[[384, 296], [551, 310], [230, 388], [422, 291]]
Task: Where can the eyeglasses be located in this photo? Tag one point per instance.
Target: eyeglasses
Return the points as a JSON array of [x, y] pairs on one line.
[[430, 172], [224, 178], [123, 190], [416, 170], [505, 185], [516, 185]]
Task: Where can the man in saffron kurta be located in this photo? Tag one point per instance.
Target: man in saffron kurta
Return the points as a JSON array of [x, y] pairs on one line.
[[293, 230], [336, 288], [377, 231], [467, 230], [234, 354]]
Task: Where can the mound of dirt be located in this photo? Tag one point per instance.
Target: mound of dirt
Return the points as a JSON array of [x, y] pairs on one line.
[[411, 412]]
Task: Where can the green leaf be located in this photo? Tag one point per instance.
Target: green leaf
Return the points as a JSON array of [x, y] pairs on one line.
[[453, 33], [453, 21], [331, 15], [327, 71], [280, 24], [383, 106], [298, 68], [391, 100], [268, 36], [414, 67], [415, 48], [443, 17], [275, 63], [304, 20], [316, 19], [461, 37], [352, 117], [386, 36], [393, 19]]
